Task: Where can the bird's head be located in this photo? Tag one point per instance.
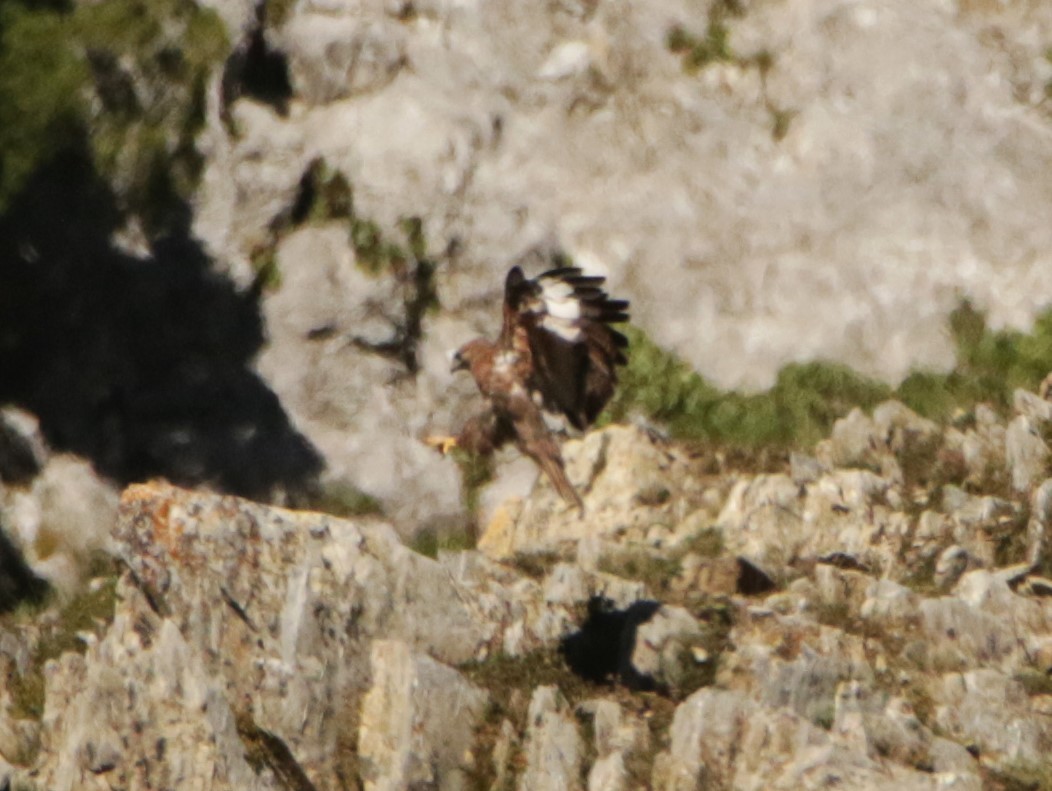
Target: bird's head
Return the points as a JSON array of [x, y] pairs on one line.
[[466, 355]]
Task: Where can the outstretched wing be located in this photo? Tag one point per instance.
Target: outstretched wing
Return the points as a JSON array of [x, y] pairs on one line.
[[562, 319]]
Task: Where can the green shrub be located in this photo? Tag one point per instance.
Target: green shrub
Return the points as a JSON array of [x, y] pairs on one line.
[[40, 93], [808, 397], [131, 74]]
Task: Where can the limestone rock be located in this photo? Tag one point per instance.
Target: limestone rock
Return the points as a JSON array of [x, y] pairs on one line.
[[505, 125], [78, 508], [981, 449], [901, 428], [370, 436], [629, 480], [502, 128], [608, 773], [1026, 453], [417, 723], [61, 519], [666, 645], [951, 564], [988, 710], [334, 57], [770, 520], [142, 686], [705, 740], [553, 744], [804, 671], [1033, 407], [255, 625], [307, 650]]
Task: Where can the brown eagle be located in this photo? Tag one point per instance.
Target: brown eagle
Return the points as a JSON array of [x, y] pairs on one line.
[[557, 353]]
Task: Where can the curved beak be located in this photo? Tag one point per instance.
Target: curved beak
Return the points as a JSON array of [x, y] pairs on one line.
[[458, 363]]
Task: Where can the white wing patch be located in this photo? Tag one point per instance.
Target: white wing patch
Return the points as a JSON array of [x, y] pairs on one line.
[[556, 291], [567, 330], [562, 308]]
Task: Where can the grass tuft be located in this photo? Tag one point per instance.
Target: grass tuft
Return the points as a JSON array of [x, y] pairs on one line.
[[429, 542], [346, 500], [91, 610]]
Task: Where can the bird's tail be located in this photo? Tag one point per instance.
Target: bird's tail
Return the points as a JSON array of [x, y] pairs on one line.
[[556, 472]]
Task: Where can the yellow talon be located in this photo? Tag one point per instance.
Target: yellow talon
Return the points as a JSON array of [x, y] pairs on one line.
[[441, 443]]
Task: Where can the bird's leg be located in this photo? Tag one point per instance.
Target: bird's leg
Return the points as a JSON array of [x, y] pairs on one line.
[[442, 443]]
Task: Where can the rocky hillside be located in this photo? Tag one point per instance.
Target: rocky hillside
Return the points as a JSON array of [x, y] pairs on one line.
[[876, 613], [238, 239]]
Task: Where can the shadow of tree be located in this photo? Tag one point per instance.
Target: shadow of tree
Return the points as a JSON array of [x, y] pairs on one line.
[[142, 365]]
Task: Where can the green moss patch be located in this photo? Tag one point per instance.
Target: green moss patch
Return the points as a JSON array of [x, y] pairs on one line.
[[430, 541], [60, 629], [712, 46], [346, 500], [41, 87]]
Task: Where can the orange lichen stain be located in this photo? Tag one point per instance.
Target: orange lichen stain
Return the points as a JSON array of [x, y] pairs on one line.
[[140, 492], [152, 501]]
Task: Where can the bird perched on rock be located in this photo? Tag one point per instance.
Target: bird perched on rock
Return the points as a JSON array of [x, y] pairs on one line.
[[556, 353]]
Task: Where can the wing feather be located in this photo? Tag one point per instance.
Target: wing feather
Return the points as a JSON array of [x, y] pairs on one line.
[[563, 317]]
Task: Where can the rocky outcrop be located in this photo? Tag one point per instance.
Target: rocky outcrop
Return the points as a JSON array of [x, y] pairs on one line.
[[690, 630], [323, 648], [56, 510]]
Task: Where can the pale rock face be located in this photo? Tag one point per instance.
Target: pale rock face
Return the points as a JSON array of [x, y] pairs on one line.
[[553, 747], [886, 163], [632, 481], [663, 647], [1032, 406], [805, 675], [417, 721], [370, 436], [1026, 453], [952, 563], [705, 739], [98, 722], [608, 774], [982, 708], [334, 56], [886, 192], [241, 627], [78, 508]]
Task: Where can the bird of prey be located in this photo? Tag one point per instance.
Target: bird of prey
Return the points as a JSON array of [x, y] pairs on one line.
[[556, 354]]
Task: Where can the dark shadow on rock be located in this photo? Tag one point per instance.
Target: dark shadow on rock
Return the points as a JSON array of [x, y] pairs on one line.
[[18, 583], [753, 580], [256, 70], [601, 650], [142, 365], [21, 457]]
